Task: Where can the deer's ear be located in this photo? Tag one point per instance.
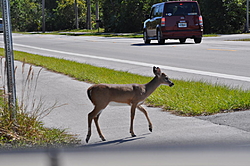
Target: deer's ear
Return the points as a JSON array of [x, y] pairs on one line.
[[157, 71]]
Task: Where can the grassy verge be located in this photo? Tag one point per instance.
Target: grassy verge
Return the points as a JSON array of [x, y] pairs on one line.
[[27, 129], [84, 32], [129, 35], [187, 98], [27, 132], [101, 32], [248, 39], [211, 35]]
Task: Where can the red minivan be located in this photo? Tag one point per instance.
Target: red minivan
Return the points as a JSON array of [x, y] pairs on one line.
[[174, 20]]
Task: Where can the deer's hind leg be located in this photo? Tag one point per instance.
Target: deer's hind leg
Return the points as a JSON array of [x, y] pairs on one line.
[[98, 127], [95, 115], [146, 114]]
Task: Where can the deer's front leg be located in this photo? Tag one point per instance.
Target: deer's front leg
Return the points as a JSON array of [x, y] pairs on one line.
[[132, 120], [146, 114]]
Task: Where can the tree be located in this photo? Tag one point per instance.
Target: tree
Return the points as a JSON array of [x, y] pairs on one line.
[[62, 15], [26, 15], [219, 16], [125, 15], [223, 16]]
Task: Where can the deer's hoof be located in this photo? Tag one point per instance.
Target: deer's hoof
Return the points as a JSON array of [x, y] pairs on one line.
[[133, 135], [103, 139], [150, 129], [87, 139]]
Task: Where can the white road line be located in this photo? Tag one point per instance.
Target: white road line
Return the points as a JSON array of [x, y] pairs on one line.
[[191, 71]]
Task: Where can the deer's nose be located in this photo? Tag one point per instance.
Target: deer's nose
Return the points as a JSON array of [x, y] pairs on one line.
[[172, 84]]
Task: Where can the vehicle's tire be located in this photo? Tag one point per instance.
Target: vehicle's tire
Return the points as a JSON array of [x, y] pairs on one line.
[[197, 40], [182, 40], [145, 38], [159, 38]]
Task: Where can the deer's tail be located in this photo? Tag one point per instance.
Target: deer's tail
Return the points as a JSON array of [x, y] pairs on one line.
[[89, 94]]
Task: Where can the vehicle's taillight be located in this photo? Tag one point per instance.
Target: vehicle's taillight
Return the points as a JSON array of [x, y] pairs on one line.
[[163, 21], [200, 21]]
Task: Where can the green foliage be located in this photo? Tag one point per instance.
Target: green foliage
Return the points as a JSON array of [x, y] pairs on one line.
[[63, 15], [220, 16], [223, 16], [26, 15], [124, 15]]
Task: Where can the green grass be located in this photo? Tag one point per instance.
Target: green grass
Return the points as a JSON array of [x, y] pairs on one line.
[[84, 32], [129, 35], [248, 39], [95, 32], [211, 35], [28, 132], [192, 98], [187, 98], [27, 129]]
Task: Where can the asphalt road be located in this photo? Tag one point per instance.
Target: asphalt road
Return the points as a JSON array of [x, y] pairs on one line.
[[214, 60]]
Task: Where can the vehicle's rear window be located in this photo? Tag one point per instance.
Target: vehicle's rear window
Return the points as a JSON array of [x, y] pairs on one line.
[[181, 8]]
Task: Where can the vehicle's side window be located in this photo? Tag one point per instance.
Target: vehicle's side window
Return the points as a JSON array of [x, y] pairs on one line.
[[160, 10], [152, 12], [156, 11]]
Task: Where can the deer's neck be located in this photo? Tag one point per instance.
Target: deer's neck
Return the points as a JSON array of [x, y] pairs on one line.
[[152, 85]]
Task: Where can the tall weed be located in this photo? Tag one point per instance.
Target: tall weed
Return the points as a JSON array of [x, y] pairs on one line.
[[27, 129]]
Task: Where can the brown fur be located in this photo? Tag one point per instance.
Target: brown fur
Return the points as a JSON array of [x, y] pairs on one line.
[[132, 94]]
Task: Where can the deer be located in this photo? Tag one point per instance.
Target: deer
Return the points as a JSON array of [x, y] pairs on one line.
[[132, 94]]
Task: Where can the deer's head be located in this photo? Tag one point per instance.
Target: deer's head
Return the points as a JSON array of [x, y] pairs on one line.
[[162, 76]]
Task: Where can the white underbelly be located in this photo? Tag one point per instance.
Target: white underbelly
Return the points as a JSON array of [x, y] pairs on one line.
[[112, 103]]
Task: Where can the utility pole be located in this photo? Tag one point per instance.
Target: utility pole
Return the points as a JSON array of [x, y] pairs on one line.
[[43, 13], [247, 23], [76, 15], [8, 45]]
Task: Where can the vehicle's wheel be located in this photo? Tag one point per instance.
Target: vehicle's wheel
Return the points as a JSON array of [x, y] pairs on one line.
[[182, 40], [145, 38], [198, 40], [159, 38]]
